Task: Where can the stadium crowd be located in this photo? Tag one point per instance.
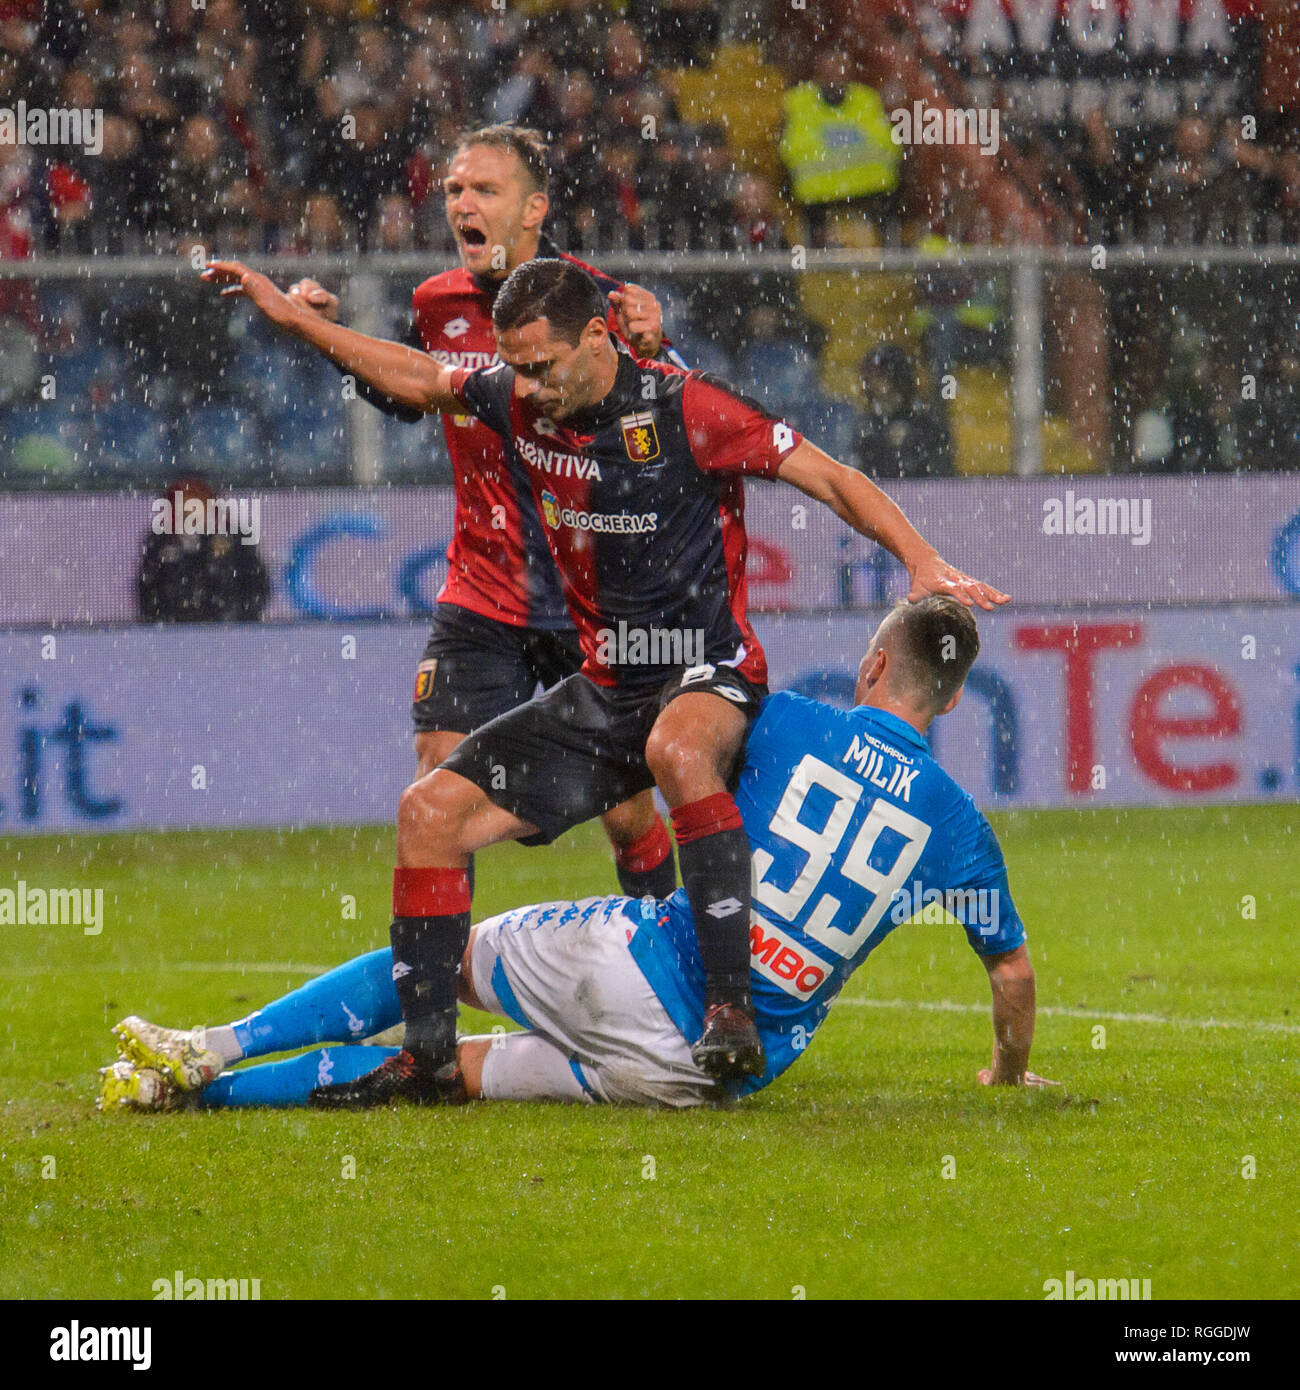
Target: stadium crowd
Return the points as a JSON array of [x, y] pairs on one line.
[[323, 125]]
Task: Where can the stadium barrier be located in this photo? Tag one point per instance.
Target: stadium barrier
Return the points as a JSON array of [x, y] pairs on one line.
[[365, 554], [266, 725]]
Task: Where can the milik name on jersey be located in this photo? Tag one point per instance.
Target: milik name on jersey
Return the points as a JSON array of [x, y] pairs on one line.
[[892, 778], [556, 462]]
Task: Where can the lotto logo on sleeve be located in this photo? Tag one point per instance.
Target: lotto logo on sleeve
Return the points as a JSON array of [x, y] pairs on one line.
[[781, 959]]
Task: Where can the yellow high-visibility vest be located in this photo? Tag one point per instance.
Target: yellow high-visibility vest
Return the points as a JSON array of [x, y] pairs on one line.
[[837, 152]]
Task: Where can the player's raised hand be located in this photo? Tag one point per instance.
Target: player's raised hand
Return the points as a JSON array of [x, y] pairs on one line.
[[640, 319], [935, 576], [315, 297], [986, 1078], [235, 278]]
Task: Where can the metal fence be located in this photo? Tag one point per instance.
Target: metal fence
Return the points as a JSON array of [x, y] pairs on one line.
[[120, 372]]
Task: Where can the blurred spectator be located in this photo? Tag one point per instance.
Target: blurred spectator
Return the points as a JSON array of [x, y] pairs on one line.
[[1245, 185], [200, 168], [1271, 439], [680, 33], [1182, 197], [175, 335], [526, 95], [322, 227], [17, 215], [751, 222], [755, 217], [1102, 169], [117, 193], [200, 578], [361, 164], [1286, 173], [902, 436], [489, 42], [838, 149], [572, 32], [957, 311], [1180, 432], [393, 228]]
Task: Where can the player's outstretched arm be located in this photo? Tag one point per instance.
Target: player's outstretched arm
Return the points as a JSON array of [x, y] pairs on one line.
[[410, 377], [856, 499], [1011, 977]]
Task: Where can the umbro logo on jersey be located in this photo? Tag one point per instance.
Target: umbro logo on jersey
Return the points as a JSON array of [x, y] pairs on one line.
[[400, 968], [546, 427], [725, 908], [457, 328]]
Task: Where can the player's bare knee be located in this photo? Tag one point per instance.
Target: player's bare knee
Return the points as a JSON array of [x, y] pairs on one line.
[[680, 766], [430, 815], [626, 823]]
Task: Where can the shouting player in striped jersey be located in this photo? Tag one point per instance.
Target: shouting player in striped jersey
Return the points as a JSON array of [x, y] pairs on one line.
[[501, 627], [636, 467], [855, 830]]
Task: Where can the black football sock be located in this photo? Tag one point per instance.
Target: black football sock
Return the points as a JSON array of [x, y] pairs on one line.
[[645, 867], [429, 933], [713, 850]]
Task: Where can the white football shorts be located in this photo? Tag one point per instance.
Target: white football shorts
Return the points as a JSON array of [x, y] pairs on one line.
[[564, 970]]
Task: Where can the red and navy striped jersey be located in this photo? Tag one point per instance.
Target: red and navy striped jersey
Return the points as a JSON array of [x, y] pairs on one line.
[[498, 562], [642, 505]]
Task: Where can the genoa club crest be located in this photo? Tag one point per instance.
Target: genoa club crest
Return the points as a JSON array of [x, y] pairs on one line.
[[639, 437], [424, 678]]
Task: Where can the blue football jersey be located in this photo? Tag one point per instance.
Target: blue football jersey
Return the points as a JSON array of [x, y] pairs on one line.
[[855, 829]]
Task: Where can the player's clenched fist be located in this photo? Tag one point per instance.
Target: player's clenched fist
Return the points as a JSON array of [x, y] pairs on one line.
[[236, 279], [314, 296], [640, 319]]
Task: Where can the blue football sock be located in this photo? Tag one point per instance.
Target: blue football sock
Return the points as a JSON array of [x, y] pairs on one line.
[[290, 1082], [354, 1001]]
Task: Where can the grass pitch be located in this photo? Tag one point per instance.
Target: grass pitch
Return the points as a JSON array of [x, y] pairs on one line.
[[830, 1184]]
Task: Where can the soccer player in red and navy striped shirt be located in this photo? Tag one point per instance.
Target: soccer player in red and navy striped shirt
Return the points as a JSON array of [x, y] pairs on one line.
[[501, 626]]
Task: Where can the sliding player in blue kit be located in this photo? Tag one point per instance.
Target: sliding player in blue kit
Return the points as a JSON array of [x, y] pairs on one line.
[[855, 829]]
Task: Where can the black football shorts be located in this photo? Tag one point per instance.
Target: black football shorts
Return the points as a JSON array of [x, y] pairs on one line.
[[474, 669], [578, 749]]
